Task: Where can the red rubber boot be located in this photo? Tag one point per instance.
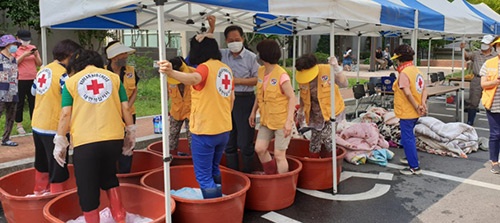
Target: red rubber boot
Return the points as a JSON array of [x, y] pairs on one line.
[[41, 183], [91, 216], [270, 167], [56, 188], [116, 206]]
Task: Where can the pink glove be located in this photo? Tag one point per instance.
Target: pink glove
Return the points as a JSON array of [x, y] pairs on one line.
[[129, 141], [60, 149]]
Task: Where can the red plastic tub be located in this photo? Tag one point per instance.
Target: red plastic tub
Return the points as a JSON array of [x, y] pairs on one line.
[[13, 190], [136, 199], [182, 147], [316, 173], [142, 162], [228, 208], [273, 192]]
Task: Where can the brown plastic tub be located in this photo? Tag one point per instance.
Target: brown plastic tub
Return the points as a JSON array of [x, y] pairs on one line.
[[142, 162], [136, 199], [316, 173], [273, 192], [182, 147], [13, 190], [229, 208]]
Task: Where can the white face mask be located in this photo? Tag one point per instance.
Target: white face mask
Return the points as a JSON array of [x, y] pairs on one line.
[[25, 43], [235, 47], [497, 48]]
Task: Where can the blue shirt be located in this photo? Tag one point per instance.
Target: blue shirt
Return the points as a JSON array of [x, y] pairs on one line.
[[243, 66]]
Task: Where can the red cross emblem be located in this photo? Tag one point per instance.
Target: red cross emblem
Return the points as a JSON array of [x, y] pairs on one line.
[[94, 87], [42, 80], [226, 81], [420, 83]]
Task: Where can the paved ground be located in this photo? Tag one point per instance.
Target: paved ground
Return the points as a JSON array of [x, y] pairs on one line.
[[450, 190]]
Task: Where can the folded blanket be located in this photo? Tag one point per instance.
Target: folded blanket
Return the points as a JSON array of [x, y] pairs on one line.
[[453, 139]]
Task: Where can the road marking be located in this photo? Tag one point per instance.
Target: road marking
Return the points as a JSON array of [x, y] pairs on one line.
[[452, 178], [275, 217], [483, 119], [377, 191], [444, 115], [483, 129], [380, 176]]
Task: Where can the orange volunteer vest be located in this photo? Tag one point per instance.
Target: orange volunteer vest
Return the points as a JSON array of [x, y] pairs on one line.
[[211, 106], [180, 107], [48, 98], [273, 104], [402, 107], [491, 74], [324, 90], [97, 113]]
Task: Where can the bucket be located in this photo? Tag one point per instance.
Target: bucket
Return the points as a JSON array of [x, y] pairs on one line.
[[316, 173], [273, 192], [229, 208], [13, 189], [142, 162], [136, 199], [181, 155]]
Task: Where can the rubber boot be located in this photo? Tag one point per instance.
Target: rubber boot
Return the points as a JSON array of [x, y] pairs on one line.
[[471, 115], [313, 155], [116, 206], [91, 216], [248, 163], [270, 167], [232, 161], [56, 188], [217, 179], [41, 183], [211, 192]]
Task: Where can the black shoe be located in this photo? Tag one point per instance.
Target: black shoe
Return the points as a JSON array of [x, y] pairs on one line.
[[411, 171]]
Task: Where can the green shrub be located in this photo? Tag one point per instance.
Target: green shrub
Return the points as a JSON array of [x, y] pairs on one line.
[[322, 57], [143, 66], [366, 61], [288, 61], [364, 55]]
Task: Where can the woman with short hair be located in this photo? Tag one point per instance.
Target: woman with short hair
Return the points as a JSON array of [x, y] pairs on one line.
[[276, 103]]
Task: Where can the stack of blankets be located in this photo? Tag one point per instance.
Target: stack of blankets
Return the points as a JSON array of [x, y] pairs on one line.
[[454, 139]]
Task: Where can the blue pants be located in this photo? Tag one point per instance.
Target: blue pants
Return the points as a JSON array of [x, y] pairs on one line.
[[408, 141], [494, 122], [207, 151]]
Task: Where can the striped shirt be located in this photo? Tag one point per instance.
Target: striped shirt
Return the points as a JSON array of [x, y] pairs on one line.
[[495, 106]]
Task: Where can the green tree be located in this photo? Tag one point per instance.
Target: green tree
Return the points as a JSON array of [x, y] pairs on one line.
[[23, 13], [493, 4]]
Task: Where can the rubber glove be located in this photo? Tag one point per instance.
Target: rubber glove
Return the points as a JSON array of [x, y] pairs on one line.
[[129, 141], [336, 68], [60, 149]]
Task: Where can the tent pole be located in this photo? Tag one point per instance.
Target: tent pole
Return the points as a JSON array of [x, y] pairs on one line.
[[294, 52], [453, 56], [164, 109], [414, 38], [462, 86], [44, 46], [428, 60], [357, 72], [357, 57], [299, 50], [332, 101]]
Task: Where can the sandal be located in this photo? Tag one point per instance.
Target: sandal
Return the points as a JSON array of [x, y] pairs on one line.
[[9, 143], [21, 130]]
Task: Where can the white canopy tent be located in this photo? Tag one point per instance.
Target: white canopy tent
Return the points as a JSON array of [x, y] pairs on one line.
[[350, 14]]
